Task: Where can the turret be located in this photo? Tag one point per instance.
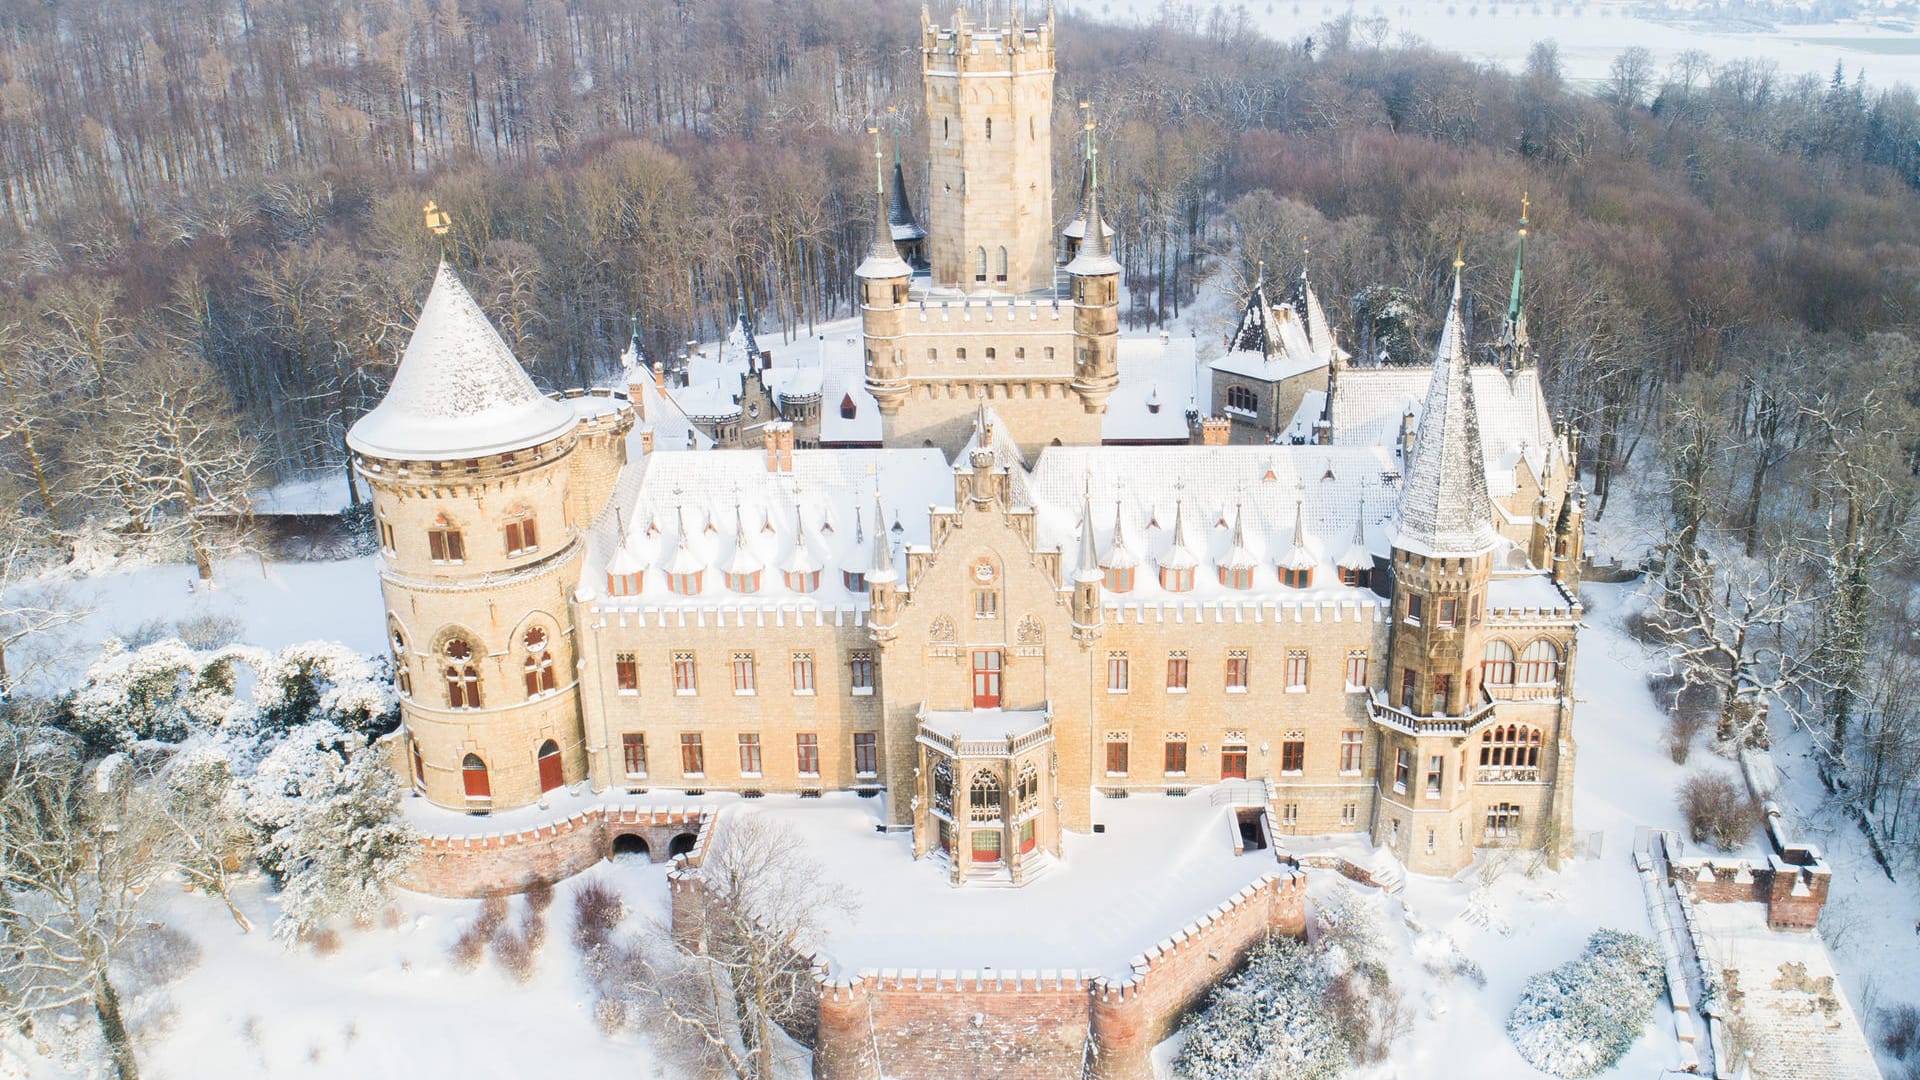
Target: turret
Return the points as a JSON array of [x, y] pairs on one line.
[[1444, 543], [884, 278], [1088, 618], [1096, 302], [883, 582]]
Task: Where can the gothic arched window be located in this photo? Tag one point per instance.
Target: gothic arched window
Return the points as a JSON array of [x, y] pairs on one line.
[[463, 676], [943, 786], [1026, 793], [1496, 663], [983, 797], [980, 264], [538, 667], [1513, 746], [1540, 664], [1000, 265]]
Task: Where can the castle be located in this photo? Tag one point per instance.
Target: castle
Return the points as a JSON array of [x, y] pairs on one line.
[[1353, 602]]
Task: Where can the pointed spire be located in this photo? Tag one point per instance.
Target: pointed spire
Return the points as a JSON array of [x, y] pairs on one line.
[[683, 561], [1513, 331], [1180, 555], [1239, 556], [883, 258], [880, 570], [1095, 256], [742, 560], [1298, 555], [1256, 332], [1358, 556], [1088, 568], [1444, 507], [1120, 554]]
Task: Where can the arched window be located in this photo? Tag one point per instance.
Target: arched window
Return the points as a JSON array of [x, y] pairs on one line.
[[402, 675], [990, 353], [1496, 663], [943, 786], [983, 797], [539, 664], [1027, 792], [473, 774], [1000, 265], [419, 765], [980, 264], [1239, 397], [1510, 752], [463, 677], [551, 773], [1540, 664]]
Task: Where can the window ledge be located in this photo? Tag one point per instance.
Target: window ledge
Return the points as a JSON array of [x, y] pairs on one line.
[[1116, 689], [810, 775], [1399, 789], [1293, 772], [1176, 689], [685, 693], [1182, 772], [862, 691], [630, 693], [636, 776], [743, 693], [865, 775], [1296, 689], [1236, 689], [1411, 621], [1352, 689], [1350, 772], [693, 776], [744, 775], [803, 693], [1116, 775]]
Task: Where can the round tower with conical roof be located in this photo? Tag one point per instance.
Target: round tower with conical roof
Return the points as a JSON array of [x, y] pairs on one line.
[[472, 472], [884, 278], [1096, 301]]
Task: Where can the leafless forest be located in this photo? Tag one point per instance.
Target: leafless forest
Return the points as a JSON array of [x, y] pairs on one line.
[[212, 249]]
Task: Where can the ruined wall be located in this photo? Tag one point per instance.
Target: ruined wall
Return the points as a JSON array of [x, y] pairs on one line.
[[507, 862]]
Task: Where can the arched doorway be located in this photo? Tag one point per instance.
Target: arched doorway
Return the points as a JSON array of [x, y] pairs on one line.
[[681, 845], [627, 845], [473, 773], [550, 776]]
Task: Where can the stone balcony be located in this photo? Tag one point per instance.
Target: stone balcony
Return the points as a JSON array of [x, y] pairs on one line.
[[1388, 715]]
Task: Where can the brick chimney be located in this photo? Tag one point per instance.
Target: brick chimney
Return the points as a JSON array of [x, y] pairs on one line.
[[646, 440], [1214, 430], [780, 447]]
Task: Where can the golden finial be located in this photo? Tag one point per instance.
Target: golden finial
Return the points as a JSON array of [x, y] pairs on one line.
[[1459, 254], [1526, 205], [437, 220]]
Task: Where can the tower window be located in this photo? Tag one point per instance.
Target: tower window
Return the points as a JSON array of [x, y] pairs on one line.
[[989, 127], [1000, 265], [463, 677], [538, 667], [1540, 664], [520, 536], [445, 544], [980, 264]]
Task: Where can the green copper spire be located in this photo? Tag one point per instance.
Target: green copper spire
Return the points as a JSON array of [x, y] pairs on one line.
[[1519, 264]]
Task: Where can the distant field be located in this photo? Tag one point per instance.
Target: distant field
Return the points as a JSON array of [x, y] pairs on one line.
[[1888, 46]]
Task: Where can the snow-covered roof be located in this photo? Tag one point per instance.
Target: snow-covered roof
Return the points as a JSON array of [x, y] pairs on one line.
[[458, 392], [1445, 509], [902, 225], [1159, 381], [1234, 503], [1370, 403], [682, 513], [1274, 342], [1535, 592]]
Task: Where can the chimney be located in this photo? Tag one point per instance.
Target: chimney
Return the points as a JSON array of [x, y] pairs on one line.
[[1214, 430], [637, 392], [646, 440], [779, 447]]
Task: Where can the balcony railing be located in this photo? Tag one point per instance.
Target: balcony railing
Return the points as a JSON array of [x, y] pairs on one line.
[[1391, 716], [1508, 774]]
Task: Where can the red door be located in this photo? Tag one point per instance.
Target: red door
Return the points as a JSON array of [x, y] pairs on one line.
[[549, 766], [986, 679], [1233, 763], [473, 773]]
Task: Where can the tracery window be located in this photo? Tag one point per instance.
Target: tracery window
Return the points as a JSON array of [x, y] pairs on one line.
[[1026, 793], [943, 786], [538, 668], [463, 676], [983, 797]]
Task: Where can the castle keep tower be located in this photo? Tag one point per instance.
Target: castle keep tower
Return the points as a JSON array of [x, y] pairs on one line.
[[480, 484], [990, 150]]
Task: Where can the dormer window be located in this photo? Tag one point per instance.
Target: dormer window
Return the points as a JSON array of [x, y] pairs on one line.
[[624, 584], [744, 583], [803, 581], [1232, 578], [684, 584], [1351, 576], [855, 582], [1296, 579], [520, 535], [1176, 580], [1119, 579]]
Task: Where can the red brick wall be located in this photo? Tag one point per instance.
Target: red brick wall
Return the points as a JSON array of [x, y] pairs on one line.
[[1794, 895], [925, 1025], [459, 866]]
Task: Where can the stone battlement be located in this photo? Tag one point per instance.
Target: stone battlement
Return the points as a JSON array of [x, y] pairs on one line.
[[507, 861], [1239, 611]]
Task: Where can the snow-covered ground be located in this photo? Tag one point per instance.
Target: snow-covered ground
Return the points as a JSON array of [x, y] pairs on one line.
[[1589, 34]]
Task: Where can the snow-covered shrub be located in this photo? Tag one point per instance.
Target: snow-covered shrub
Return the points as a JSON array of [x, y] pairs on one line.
[[208, 631], [1582, 1016], [1267, 1022], [514, 952], [1719, 810], [1899, 1030], [157, 954], [1441, 957], [597, 910], [330, 827], [324, 680], [159, 692]]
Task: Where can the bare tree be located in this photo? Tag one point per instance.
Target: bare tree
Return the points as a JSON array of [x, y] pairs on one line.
[[171, 453], [79, 849], [739, 970]]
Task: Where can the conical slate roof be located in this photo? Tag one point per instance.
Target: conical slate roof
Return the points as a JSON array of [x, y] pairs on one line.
[[1444, 508], [458, 392], [904, 225], [1095, 256]]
